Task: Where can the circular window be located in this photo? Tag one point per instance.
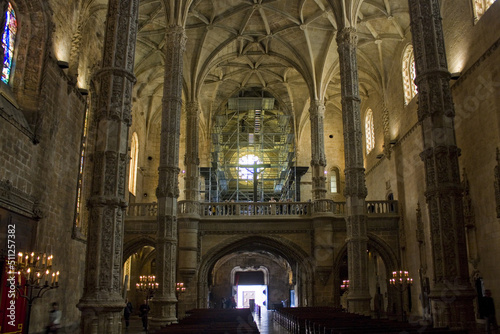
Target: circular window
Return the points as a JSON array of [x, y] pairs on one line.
[[246, 173]]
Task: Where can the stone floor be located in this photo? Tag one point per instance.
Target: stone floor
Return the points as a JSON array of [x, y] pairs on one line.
[[265, 324]]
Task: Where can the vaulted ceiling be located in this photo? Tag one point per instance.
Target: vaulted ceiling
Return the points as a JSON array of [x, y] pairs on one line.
[[284, 47]]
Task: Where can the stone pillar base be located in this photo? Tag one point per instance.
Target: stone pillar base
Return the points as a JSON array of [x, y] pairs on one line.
[[163, 312], [359, 305], [452, 307], [101, 316]]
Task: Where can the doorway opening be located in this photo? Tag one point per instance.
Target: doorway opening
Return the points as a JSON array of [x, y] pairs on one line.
[[250, 295]]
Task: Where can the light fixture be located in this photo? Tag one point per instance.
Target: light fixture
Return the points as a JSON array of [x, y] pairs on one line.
[[180, 287], [380, 156], [393, 142], [62, 64], [401, 278], [83, 91]]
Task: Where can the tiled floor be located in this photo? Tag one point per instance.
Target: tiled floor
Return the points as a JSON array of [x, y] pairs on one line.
[[265, 324]]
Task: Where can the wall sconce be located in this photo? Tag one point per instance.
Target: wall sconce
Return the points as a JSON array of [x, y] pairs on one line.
[[380, 156], [62, 64], [83, 91], [455, 75], [393, 142]]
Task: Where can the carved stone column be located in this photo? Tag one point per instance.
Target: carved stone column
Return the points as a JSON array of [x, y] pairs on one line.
[[355, 188], [451, 294], [164, 301], [191, 159], [318, 159], [102, 301]]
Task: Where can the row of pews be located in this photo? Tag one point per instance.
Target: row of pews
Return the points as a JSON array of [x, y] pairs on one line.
[[328, 320], [212, 321]]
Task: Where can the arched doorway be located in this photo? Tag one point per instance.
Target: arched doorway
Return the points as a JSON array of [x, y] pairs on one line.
[[286, 272], [381, 262]]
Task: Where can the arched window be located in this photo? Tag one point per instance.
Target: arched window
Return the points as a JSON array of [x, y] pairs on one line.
[[334, 180], [369, 131], [78, 223], [480, 7], [134, 154], [8, 41], [409, 86]]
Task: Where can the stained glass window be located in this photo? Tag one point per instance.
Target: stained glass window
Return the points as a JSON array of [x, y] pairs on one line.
[[369, 131], [408, 69], [78, 222], [8, 41]]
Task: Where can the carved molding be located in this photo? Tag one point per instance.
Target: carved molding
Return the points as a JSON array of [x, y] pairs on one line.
[[18, 201]]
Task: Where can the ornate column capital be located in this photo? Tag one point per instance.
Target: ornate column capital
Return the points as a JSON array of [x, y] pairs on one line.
[[347, 35]]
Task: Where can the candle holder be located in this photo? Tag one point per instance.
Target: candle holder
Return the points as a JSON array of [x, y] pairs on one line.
[[402, 281], [148, 285], [180, 288], [35, 277], [345, 285]]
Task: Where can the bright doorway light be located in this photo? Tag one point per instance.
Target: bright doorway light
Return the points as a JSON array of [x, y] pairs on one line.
[[248, 292]]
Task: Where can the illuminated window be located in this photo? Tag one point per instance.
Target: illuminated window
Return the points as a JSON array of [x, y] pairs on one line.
[[334, 180], [480, 7], [8, 41], [79, 194], [249, 159], [134, 154], [410, 88], [369, 131]]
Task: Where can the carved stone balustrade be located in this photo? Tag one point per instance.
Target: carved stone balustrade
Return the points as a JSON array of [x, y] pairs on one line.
[[221, 210]]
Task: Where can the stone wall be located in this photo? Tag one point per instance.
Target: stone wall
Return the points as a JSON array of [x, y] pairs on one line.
[[48, 171]]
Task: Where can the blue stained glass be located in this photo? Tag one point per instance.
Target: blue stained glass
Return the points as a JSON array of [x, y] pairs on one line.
[[8, 40]]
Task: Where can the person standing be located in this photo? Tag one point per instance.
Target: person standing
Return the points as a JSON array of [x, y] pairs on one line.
[[144, 310], [126, 314], [488, 312], [54, 319]]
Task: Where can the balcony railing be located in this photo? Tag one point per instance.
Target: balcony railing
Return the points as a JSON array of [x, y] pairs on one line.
[[279, 209], [142, 209]]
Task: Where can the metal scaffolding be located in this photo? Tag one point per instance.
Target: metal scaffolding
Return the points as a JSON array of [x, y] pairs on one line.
[[252, 135]]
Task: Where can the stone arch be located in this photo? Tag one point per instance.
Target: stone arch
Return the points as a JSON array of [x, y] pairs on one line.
[[133, 245], [299, 260], [391, 260]]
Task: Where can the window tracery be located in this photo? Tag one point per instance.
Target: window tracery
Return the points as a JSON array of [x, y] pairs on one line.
[[408, 70], [369, 131]]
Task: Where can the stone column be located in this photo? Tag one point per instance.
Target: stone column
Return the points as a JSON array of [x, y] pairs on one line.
[[102, 301], [355, 187], [318, 158], [164, 301], [451, 294], [191, 159]]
